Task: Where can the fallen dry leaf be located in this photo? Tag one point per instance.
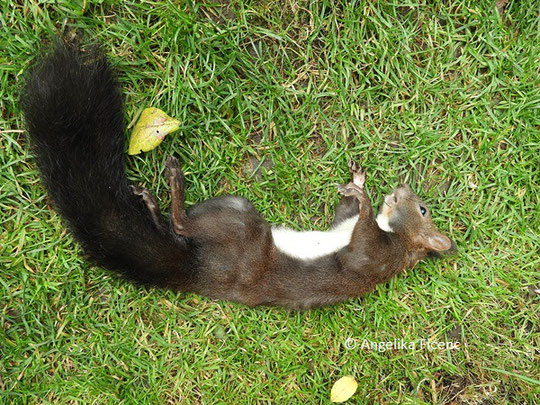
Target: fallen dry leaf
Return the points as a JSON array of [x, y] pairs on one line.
[[343, 389], [150, 130]]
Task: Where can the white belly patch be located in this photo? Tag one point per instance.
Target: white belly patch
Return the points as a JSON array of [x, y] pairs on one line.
[[308, 245]]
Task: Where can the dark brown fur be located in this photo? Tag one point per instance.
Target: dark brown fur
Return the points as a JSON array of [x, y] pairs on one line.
[[239, 261]]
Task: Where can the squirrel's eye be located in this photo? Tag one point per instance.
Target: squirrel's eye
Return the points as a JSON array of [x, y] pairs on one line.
[[423, 211]]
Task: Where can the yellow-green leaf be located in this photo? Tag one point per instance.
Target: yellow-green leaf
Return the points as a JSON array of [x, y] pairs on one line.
[[343, 389], [150, 130]]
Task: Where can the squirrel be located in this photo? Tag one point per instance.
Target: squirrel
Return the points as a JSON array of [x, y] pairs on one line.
[[220, 248]]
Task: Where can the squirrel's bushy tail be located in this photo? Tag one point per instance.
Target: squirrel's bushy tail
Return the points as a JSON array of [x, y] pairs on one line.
[[74, 115]]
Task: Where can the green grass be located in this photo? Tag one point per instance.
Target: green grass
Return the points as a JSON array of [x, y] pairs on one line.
[[443, 94]]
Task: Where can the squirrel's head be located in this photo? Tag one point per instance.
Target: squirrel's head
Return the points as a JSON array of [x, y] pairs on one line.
[[403, 213]]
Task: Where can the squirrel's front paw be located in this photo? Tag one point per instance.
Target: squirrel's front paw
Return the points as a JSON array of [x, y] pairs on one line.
[[359, 174], [350, 190]]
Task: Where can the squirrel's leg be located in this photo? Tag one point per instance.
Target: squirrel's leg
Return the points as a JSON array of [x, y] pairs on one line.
[[366, 229], [348, 206], [355, 190], [175, 178], [151, 203]]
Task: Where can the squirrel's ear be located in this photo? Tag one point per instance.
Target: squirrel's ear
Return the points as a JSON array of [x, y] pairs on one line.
[[436, 241]]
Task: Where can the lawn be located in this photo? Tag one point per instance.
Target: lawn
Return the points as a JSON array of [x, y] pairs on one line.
[[273, 99]]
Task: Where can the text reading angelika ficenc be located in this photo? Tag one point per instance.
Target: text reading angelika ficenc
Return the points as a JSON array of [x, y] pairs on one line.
[[400, 344]]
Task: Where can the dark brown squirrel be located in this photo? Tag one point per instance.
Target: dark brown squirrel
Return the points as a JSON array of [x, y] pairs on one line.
[[220, 248]]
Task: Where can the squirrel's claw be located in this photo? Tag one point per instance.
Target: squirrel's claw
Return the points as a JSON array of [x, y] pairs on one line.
[[359, 174]]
